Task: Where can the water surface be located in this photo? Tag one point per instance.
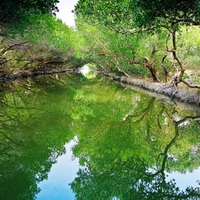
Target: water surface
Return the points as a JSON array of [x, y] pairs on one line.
[[69, 137]]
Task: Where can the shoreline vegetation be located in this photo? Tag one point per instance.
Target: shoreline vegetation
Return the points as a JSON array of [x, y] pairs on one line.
[[184, 95], [32, 74], [162, 47]]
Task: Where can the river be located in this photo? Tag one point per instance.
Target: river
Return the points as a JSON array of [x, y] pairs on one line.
[[70, 137]]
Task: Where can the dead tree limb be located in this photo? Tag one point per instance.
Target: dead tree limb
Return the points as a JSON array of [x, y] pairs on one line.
[[153, 51], [150, 65], [11, 47], [164, 68], [122, 71], [189, 85]]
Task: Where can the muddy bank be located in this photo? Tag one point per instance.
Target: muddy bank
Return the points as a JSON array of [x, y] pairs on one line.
[[190, 96]]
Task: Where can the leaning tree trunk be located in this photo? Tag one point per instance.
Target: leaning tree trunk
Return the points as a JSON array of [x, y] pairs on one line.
[[149, 64], [151, 69]]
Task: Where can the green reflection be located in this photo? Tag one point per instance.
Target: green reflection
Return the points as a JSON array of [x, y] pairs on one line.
[[127, 140], [35, 125]]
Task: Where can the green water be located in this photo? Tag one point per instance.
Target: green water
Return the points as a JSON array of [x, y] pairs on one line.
[[69, 137]]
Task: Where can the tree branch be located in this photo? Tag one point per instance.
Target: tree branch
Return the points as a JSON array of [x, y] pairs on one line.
[[189, 85], [164, 68], [10, 47], [130, 31], [153, 50]]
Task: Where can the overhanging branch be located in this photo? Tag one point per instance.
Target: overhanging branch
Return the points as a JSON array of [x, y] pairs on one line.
[[189, 85]]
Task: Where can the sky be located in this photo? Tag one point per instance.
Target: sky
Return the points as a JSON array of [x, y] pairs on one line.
[[65, 7]]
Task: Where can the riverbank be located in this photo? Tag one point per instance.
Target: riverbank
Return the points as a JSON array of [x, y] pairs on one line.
[[26, 74], [191, 96]]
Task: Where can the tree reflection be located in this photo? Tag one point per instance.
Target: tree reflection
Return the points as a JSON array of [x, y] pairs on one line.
[[34, 129], [129, 158], [127, 141]]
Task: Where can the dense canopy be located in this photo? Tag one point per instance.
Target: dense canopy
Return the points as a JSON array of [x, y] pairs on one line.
[[140, 13], [14, 11]]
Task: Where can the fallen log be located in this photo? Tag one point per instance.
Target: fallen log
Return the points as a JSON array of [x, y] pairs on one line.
[[183, 95]]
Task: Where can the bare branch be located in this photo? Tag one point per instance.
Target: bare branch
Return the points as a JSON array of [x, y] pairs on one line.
[[153, 50], [10, 47], [185, 20], [130, 31], [164, 68], [122, 71], [189, 85]]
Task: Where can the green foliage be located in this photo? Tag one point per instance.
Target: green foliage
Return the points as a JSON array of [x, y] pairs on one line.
[[50, 32], [20, 12], [126, 52], [17, 16], [113, 13], [155, 12], [125, 14], [48, 44], [32, 38], [155, 17], [188, 42], [107, 49]]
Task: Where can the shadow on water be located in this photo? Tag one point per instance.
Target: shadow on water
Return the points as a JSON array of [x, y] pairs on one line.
[[127, 141]]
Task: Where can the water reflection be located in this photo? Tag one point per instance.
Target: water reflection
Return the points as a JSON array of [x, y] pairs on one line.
[[128, 155], [34, 130], [127, 142], [61, 174]]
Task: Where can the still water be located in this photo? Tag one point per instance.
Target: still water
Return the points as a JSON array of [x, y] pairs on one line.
[[70, 137]]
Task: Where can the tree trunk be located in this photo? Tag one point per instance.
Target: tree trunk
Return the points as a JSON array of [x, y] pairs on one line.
[[153, 74]]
